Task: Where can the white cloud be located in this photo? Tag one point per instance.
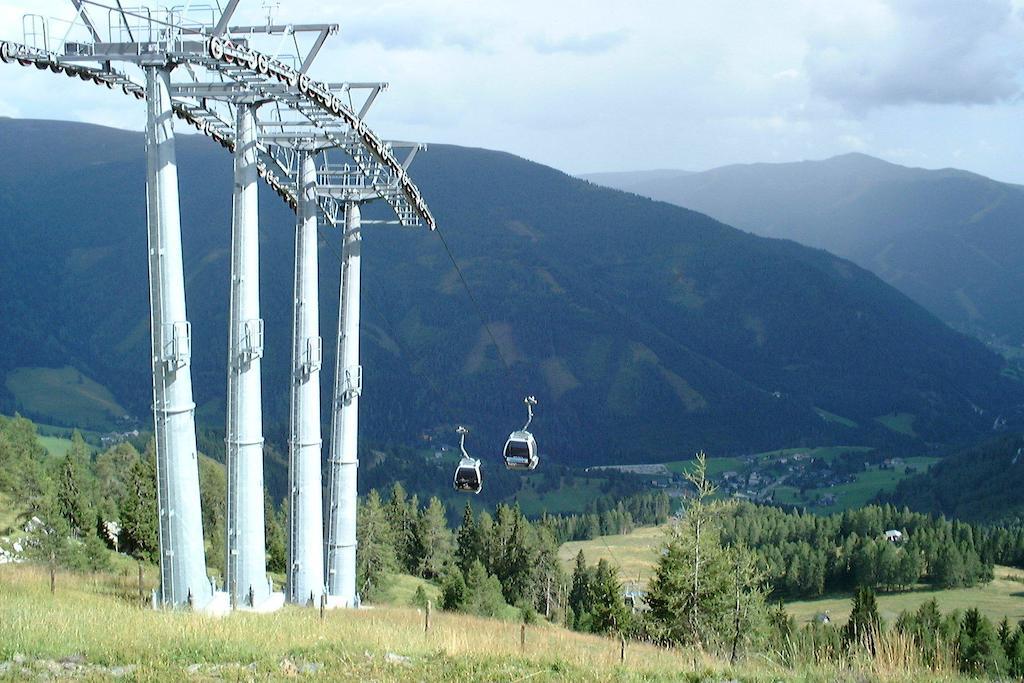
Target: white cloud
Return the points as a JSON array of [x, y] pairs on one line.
[[895, 52], [595, 43], [588, 85]]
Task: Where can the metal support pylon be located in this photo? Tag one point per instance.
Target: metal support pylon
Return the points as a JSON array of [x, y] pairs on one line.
[[246, 565], [348, 383], [183, 579], [305, 485]]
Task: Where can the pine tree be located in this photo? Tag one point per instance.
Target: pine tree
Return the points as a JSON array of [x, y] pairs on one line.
[[979, 648], [1004, 632], [112, 468], [581, 595], [1015, 653], [692, 593], [608, 610], [468, 543], [483, 594], [949, 570], [138, 512], [864, 625], [375, 551], [434, 541], [72, 502], [402, 514], [453, 590]]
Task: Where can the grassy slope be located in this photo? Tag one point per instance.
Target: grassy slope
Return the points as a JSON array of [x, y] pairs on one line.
[[1002, 597], [96, 621], [638, 551], [95, 617], [64, 394], [901, 423], [403, 587], [634, 554], [839, 419], [57, 446], [568, 499]]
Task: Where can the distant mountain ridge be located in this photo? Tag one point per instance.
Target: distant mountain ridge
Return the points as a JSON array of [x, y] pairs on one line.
[[947, 238], [647, 331]]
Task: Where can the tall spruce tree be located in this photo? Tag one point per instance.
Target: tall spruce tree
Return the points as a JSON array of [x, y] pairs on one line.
[[692, 593], [402, 513], [375, 549], [864, 625], [979, 649], [138, 512], [468, 544], [73, 502], [433, 541]]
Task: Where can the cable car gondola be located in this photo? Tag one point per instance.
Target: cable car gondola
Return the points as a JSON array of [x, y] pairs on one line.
[[521, 448], [467, 474]]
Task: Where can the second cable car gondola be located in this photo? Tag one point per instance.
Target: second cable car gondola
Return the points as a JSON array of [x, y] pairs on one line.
[[467, 474], [521, 448]]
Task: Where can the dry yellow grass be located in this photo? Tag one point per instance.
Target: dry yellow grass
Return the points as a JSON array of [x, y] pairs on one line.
[[634, 554], [95, 620]]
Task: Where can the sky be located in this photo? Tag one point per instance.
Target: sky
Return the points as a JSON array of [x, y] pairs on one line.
[[602, 85]]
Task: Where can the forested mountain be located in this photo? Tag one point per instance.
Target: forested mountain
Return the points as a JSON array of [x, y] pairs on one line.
[[646, 330], [984, 483], [947, 238]]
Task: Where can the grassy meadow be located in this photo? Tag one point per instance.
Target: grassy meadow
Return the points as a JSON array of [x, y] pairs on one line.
[[1002, 597], [635, 554], [65, 394], [93, 627]]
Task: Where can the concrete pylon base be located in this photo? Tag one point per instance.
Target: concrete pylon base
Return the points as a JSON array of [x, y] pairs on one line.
[[272, 603], [218, 606]]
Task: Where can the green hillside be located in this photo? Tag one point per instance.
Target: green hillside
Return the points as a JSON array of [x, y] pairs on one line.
[[947, 238], [646, 330], [64, 395], [984, 483]]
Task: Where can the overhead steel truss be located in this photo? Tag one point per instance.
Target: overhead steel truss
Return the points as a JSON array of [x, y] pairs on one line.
[[309, 143], [217, 69]]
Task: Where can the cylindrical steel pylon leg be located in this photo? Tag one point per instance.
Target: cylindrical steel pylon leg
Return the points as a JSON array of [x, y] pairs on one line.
[[183, 578], [246, 565], [348, 383], [305, 493]]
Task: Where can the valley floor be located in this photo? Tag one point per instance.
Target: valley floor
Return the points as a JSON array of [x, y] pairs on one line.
[[93, 627]]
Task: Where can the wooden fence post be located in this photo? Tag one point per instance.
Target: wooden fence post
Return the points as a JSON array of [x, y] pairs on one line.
[[323, 605], [522, 637], [53, 573], [622, 649], [426, 620], [142, 591]]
